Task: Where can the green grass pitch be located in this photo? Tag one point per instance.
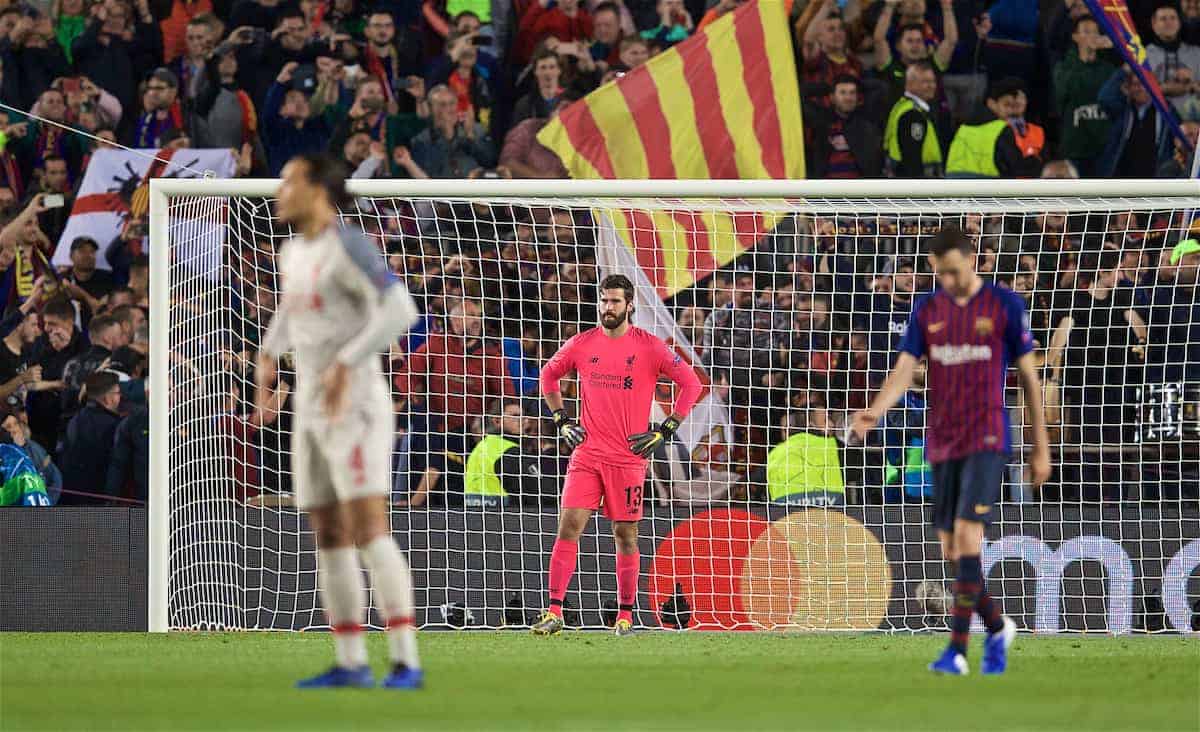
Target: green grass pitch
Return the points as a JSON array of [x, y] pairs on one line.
[[584, 681]]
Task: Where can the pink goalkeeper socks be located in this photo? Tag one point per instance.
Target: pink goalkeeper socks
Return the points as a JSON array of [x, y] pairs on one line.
[[627, 584], [562, 567]]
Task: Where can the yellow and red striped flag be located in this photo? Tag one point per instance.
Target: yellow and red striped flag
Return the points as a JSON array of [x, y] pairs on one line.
[[723, 104]]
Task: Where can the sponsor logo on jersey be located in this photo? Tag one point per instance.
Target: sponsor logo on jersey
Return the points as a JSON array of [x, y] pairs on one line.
[[984, 326], [594, 359], [628, 382], [948, 355]]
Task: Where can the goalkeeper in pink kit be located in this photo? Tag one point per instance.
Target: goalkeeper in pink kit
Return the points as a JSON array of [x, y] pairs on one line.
[[618, 367]]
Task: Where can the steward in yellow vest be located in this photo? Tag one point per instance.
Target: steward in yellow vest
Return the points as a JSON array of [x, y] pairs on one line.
[[986, 147], [914, 138]]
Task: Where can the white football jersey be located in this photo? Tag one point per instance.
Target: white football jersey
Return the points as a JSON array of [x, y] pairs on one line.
[[338, 301]]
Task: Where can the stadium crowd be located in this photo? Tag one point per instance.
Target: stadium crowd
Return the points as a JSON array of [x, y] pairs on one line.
[[793, 333]]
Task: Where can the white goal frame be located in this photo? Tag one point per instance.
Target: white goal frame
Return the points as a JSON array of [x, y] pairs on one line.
[[1051, 192]]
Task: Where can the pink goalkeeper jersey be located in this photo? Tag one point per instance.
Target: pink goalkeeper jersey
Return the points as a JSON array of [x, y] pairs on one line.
[[617, 377]]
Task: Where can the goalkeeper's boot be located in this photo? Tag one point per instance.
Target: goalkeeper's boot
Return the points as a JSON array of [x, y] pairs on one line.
[[995, 648], [623, 628], [359, 678], [549, 624], [951, 662], [403, 677]]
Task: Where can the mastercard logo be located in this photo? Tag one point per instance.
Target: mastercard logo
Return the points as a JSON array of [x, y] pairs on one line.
[[812, 569]]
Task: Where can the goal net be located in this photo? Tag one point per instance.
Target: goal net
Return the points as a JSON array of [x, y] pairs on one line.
[[789, 299]]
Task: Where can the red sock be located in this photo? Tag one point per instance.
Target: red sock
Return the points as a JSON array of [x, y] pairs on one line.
[[562, 566], [627, 584]]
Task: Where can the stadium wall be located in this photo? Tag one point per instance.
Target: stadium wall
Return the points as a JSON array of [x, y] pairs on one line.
[[1054, 568], [73, 568]]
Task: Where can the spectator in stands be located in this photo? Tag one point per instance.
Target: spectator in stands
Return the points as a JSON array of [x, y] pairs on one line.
[[1180, 164], [37, 59], [38, 142], [290, 129], [566, 21], [175, 24], [605, 47], [16, 423], [1030, 137], [260, 59], [1171, 308], [1176, 64], [106, 336], [1078, 79], [223, 115], [911, 48], [117, 49], [163, 111], [525, 156], [986, 147], [1140, 139], [454, 372], [908, 476], [88, 440], [84, 281], [391, 55], [450, 148], [635, 51], [70, 20], [130, 463], [54, 178], [675, 24], [200, 38], [804, 469], [468, 80], [547, 73], [843, 141], [915, 136], [827, 57], [1104, 339], [369, 114]]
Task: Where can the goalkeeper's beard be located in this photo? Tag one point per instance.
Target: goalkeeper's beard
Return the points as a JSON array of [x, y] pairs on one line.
[[612, 322]]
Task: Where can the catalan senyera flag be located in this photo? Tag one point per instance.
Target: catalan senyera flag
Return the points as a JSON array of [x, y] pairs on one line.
[[723, 104], [1114, 18]]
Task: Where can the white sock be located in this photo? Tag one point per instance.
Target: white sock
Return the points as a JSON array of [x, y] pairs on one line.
[[340, 580], [392, 580]]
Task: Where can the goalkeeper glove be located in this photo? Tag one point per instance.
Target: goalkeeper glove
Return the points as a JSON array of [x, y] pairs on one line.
[[643, 444], [569, 429]]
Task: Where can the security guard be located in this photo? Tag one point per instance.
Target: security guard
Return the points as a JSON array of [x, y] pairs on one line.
[[914, 138], [986, 147]]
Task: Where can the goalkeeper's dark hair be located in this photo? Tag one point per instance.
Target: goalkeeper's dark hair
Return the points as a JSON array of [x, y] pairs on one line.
[[618, 282], [949, 238], [329, 173]]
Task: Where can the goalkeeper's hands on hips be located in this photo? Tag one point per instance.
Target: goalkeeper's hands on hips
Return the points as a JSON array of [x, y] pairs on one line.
[[569, 429], [643, 444]]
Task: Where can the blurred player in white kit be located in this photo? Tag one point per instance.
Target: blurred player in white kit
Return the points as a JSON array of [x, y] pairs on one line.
[[340, 307]]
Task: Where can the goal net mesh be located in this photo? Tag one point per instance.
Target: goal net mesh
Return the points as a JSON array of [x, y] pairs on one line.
[[760, 513]]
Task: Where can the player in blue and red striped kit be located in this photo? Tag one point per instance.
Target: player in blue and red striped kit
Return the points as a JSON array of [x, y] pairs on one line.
[[969, 331]]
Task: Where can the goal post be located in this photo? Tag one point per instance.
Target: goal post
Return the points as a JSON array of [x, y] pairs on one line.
[[228, 559]]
